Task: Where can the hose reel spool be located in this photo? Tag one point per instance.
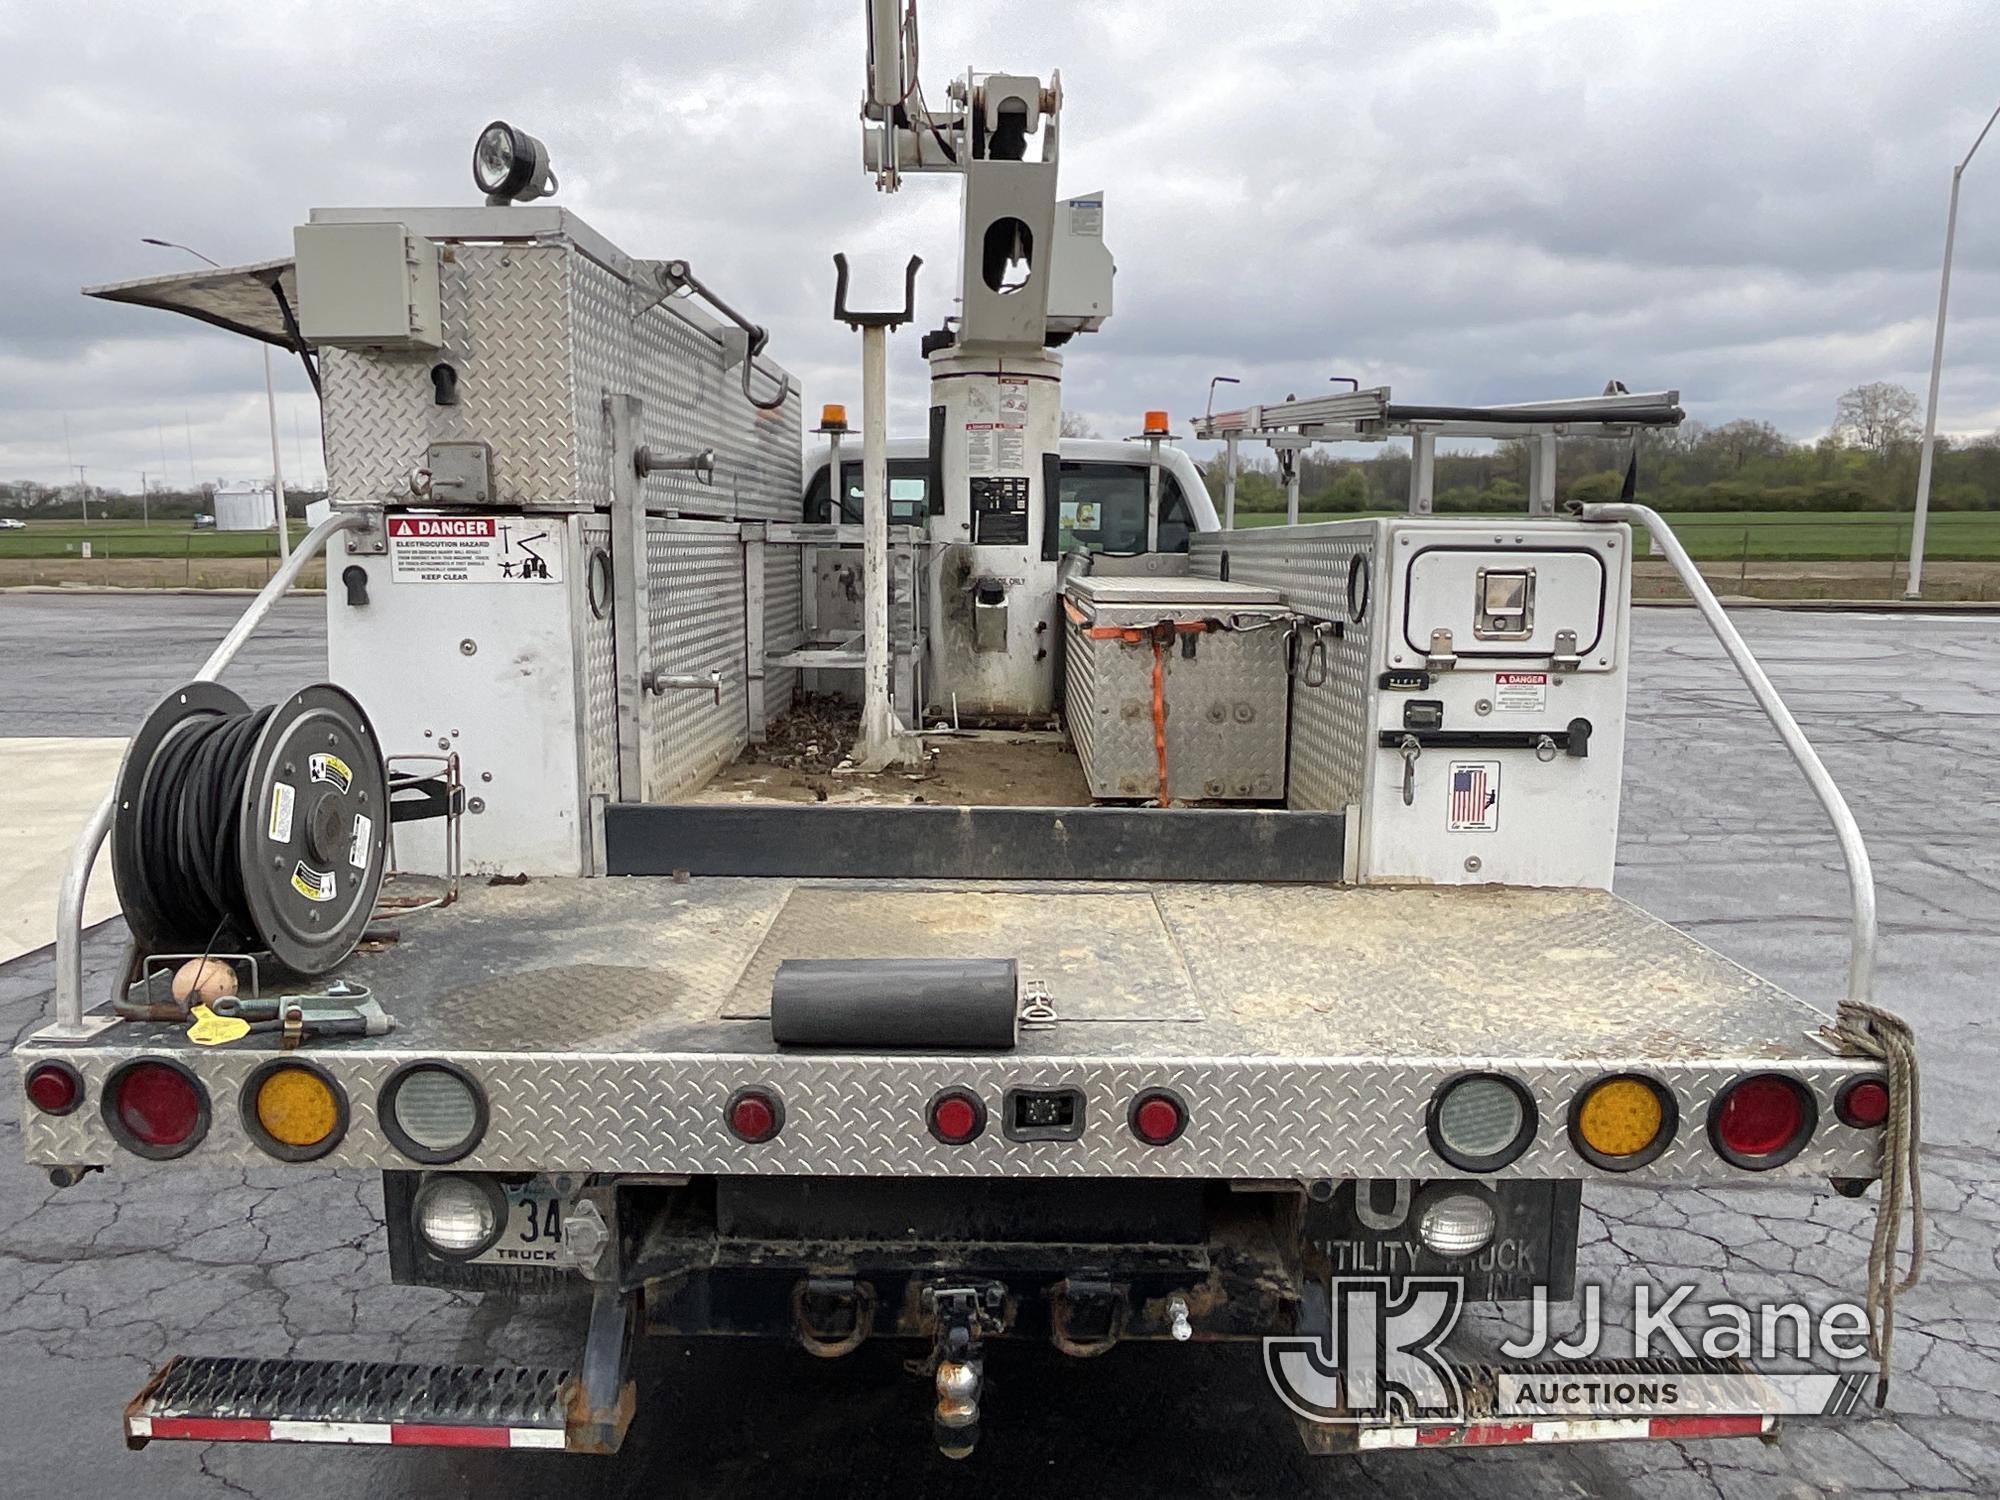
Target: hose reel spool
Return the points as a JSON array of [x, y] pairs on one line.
[[249, 830]]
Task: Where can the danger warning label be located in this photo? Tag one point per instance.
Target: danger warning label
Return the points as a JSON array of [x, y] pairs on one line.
[[472, 549], [1520, 692]]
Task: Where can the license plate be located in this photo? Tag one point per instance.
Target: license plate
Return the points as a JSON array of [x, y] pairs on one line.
[[533, 1236]]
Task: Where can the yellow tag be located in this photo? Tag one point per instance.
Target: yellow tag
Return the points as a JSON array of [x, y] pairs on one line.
[[211, 1030]]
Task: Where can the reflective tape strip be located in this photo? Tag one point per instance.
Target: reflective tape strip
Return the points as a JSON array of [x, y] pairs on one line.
[[399, 1434], [331, 1432], [1709, 1427], [1576, 1430]]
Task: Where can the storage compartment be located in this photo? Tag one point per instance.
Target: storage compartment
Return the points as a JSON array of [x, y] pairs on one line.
[[1196, 663]]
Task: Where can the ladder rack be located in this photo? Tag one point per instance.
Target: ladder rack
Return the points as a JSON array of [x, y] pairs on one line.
[[1370, 416]]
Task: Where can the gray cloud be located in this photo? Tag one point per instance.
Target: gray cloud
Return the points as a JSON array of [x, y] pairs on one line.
[[1469, 201]]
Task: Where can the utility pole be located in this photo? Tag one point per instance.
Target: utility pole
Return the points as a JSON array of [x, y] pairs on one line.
[[145, 502], [1914, 584], [277, 465], [83, 491]]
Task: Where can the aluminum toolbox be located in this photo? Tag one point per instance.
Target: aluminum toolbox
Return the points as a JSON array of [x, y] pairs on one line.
[[1223, 687], [542, 319]]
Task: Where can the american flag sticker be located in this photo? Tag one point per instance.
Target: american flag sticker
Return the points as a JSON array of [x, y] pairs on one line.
[[1475, 796]]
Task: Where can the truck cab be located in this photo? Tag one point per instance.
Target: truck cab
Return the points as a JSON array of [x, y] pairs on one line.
[[1102, 500]]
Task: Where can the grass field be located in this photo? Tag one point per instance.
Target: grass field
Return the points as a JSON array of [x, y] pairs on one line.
[[175, 539], [1784, 536]]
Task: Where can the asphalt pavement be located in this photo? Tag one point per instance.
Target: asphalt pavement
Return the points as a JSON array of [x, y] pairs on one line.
[[100, 1282]]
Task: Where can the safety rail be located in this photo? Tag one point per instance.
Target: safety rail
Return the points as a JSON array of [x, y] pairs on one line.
[[69, 1024], [1860, 874]]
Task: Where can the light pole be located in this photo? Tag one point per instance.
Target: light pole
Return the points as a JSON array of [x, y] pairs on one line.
[[1914, 588], [270, 410], [1228, 455]]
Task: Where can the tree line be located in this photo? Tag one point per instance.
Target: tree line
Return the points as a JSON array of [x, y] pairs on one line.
[[1866, 462], [32, 501]]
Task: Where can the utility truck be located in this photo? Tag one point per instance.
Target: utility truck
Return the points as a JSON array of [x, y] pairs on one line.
[[1317, 974]]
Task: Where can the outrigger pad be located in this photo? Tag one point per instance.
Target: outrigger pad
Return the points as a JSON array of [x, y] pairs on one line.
[[340, 1401]]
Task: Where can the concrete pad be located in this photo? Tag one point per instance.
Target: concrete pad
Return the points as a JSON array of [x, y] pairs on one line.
[[51, 787]]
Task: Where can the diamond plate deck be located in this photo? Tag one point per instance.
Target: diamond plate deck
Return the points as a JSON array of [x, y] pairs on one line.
[[1327, 1019]]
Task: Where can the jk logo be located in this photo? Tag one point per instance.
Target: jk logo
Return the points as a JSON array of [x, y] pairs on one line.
[[1368, 1356]]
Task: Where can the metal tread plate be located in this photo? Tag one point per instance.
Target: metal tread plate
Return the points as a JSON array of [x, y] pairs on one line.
[[207, 1398], [1309, 1032]]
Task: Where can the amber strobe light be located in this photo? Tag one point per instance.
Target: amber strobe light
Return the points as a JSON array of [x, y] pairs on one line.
[[1156, 422], [1622, 1122], [833, 418]]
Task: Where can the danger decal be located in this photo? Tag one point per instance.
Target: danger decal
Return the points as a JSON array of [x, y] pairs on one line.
[[1520, 692], [472, 549]]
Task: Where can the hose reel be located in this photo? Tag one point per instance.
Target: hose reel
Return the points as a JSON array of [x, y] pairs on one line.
[[242, 829]]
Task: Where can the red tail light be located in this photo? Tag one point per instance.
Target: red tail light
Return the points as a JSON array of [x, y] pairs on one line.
[[1158, 1117], [1762, 1121], [755, 1115], [156, 1108], [54, 1088], [1864, 1103], [957, 1116]]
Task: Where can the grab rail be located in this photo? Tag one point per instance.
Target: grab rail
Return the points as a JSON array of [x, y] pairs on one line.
[[1860, 874], [69, 1024]]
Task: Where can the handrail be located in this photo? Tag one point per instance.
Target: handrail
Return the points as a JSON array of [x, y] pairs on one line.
[[69, 1023], [1860, 874]]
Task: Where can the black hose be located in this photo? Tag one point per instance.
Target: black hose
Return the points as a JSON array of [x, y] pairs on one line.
[[189, 827]]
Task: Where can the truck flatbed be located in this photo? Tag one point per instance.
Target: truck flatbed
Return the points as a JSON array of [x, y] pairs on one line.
[[608, 1020]]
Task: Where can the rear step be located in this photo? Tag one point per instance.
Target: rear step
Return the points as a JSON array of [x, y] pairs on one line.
[[339, 1401], [1606, 1401]]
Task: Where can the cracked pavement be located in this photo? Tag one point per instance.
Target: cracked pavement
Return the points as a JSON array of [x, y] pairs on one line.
[[100, 1282]]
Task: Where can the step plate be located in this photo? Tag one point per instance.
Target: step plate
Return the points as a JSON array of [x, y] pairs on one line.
[[340, 1401]]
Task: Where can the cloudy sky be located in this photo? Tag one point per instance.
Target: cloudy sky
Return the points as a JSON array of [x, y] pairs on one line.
[[1470, 201]]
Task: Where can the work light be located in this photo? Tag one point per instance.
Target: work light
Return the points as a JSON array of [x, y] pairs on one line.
[[511, 166]]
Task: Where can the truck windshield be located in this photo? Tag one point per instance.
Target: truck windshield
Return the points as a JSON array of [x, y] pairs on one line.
[[909, 493], [1102, 508]]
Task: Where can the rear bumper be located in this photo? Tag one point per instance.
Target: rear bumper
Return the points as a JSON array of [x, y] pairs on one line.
[[1298, 1118], [202, 1399], [1608, 1401]]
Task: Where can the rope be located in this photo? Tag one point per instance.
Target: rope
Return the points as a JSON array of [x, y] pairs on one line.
[[1873, 1032]]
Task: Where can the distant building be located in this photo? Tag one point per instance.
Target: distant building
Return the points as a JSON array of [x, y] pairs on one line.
[[243, 507]]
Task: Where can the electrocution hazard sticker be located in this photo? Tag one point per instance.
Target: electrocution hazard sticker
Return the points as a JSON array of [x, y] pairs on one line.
[[1475, 796], [1520, 692], [314, 885], [332, 770], [472, 549]]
